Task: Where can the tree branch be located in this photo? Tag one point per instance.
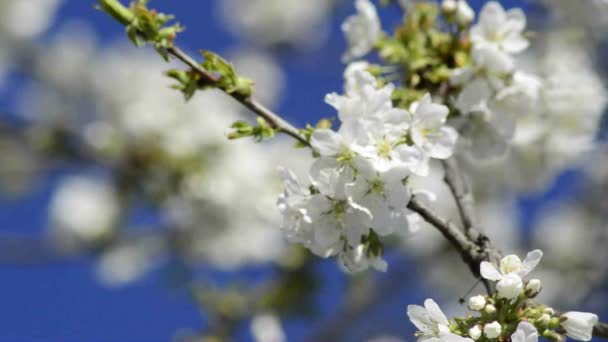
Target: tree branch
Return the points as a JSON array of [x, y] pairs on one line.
[[463, 197], [274, 120], [469, 251]]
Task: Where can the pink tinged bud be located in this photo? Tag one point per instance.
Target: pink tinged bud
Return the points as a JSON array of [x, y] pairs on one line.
[[579, 325]]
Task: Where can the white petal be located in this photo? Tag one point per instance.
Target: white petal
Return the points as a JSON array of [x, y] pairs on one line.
[[516, 19], [419, 316], [492, 15], [489, 271], [327, 232], [326, 142], [493, 59], [473, 95], [443, 142], [461, 75], [528, 331], [432, 114], [530, 262], [435, 312], [515, 44]]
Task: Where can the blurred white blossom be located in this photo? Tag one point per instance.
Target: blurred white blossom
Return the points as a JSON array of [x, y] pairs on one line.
[[269, 22], [83, 210]]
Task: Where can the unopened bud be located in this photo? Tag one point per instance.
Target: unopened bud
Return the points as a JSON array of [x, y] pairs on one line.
[[477, 303], [533, 288], [492, 330], [490, 309], [448, 6], [475, 332], [543, 320], [554, 336], [464, 13], [549, 311]]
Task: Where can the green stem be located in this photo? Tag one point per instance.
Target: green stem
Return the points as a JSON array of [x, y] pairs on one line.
[[118, 11]]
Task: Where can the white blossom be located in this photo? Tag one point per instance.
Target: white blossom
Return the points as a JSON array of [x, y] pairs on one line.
[[431, 323], [83, 210], [509, 276], [579, 325], [361, 30], [429, 131], [302, 24], [526, 332], [501, 29], [267, 328]]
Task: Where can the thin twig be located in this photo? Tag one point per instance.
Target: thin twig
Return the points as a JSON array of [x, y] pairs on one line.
[[273, 119]]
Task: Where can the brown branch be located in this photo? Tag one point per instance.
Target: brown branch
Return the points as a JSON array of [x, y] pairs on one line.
[[463, 197], [472, 253], [600, 330]]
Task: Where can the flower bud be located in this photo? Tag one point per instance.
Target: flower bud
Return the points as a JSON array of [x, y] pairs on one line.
[[490, 309], [448, 6], [464, 13], [543, 320], [492, 330], [510, 286], [477, 303], [579, 325], [549, 311], [554, 336], [475, 332], [533, 288]]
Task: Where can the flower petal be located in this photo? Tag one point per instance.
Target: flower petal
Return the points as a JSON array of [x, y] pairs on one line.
[[489, 271], [419, 316], [326, 142], [530, 262], [435, 312]]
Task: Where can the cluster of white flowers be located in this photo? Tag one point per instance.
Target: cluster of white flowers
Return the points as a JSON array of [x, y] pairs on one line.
[[359, 180], [564, 127], [433, 325], [494, 92], [136, 111], [267, 22]]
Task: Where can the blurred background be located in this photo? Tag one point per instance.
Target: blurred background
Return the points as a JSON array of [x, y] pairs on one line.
[[126, 215]]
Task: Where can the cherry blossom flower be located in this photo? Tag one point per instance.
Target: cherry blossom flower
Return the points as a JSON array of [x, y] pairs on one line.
[[526, 332], [501, 29], [361, 30], [510, 273], [579, 325]]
